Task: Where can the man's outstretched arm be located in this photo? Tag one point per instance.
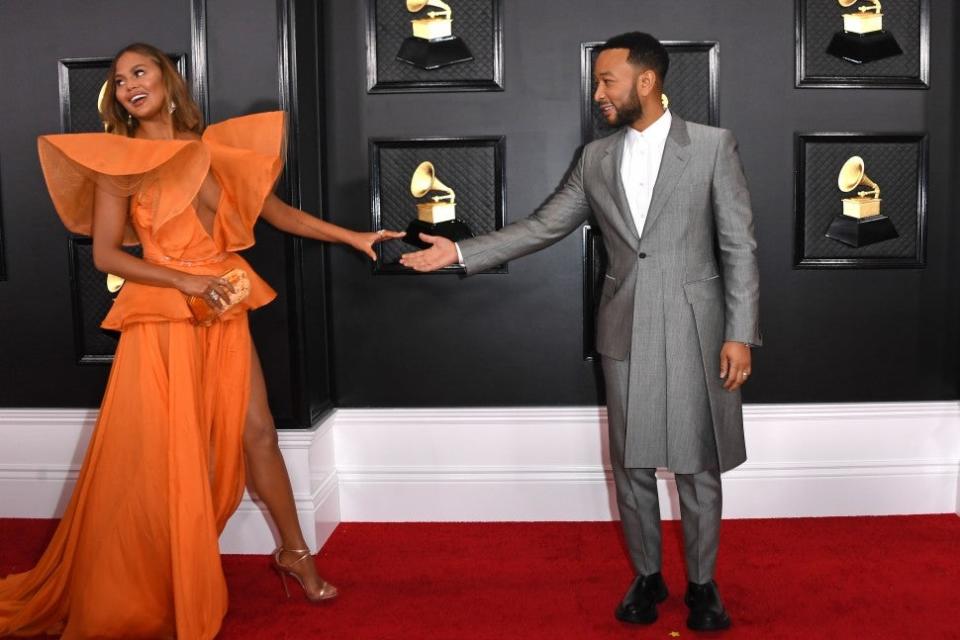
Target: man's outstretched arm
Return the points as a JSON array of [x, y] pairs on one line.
[[566, 210]]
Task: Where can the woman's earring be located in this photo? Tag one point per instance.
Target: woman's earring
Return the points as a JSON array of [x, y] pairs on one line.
[[129, 120], [172, 107]]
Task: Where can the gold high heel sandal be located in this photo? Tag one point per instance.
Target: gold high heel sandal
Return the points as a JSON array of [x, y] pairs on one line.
[[328, 592]]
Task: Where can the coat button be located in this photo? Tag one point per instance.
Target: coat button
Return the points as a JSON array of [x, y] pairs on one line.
[[641, 255]]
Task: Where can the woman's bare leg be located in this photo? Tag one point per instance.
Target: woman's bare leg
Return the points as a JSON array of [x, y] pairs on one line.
[[268, 475]]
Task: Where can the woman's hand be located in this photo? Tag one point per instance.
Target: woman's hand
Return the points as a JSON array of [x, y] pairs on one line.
[[364, 241], [215, 291]]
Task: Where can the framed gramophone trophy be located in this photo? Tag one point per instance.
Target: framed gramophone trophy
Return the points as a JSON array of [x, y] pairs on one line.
[[692, 84], [434, 45], [81, 86], [448, 187], [860, 223], [437, 214], [861, 200], [863, 43], [863, 38]]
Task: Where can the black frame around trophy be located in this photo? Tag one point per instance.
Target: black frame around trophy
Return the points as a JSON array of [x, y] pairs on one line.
[[392, 163], [388, 33], [817, 199], [817, 68], [78, 113], [702, 84], [706, 91], [91, 302], [80, 81], [594, 268]]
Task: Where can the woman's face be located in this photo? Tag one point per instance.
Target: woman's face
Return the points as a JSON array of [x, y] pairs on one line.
[[139, 86]]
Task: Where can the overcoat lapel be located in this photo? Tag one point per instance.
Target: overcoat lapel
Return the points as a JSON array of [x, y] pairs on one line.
[[676, 154], [610, 168]]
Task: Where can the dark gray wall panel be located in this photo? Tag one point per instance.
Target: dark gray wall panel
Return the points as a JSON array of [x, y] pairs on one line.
[[243, 60], [38, 364], [243, 77], [517, 338], [511, 338]]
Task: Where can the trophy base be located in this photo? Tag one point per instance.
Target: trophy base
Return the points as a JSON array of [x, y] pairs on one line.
[[454, 230], [860, 233], [867, 47], [433, 54]]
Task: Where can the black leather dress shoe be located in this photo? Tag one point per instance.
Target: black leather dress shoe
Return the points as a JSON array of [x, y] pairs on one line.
[[706, 609], [639, 606]]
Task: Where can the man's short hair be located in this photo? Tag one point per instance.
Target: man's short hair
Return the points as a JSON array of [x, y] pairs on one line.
[[645, 51]]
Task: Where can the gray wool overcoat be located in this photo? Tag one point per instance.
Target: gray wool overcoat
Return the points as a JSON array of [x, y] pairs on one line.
[[671, 295]]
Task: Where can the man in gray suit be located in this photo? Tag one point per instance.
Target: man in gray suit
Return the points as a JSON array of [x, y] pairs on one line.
[[678, 311]]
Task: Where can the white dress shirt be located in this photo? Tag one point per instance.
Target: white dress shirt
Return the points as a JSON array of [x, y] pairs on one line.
[[640, 165]]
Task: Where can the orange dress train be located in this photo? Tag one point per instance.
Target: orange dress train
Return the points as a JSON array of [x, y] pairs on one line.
[[136, 554]]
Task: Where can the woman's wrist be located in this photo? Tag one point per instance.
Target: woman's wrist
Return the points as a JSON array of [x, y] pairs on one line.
[[178, 279], [349, 236]]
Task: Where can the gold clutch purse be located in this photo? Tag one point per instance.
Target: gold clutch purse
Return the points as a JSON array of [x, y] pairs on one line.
[[204, 314]]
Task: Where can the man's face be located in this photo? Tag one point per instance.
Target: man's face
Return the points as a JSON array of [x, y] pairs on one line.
[[617, 87]]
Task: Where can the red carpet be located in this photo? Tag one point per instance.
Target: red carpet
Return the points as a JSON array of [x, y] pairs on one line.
[[869, 578]]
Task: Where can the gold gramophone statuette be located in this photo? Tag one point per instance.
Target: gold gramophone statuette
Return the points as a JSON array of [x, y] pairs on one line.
[[114, 283], [863, 38], [868, 18], [100, 98], [438, 215], [441, 208], [437, 24], [866, 203], [433, 44], [861, 223]]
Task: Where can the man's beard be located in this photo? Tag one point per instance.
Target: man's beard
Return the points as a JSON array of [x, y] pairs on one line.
[[630, 112]]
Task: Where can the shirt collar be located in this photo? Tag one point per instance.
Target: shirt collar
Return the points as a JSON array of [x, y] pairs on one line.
[[655, 133]]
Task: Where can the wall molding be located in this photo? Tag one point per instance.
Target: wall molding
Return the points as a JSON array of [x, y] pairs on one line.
[[198, 56], [549, 463], [44, 448], [3, 255]]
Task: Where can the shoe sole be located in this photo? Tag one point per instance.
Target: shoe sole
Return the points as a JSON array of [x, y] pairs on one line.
[[719, 625], [623, 617]]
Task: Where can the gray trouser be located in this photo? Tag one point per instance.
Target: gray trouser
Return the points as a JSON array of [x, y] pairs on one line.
[[701, 499]]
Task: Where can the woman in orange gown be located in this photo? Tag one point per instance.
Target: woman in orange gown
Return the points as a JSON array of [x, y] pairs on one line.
[[185, 413]]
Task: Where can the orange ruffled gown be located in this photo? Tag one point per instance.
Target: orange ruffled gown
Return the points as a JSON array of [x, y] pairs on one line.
[[136, 554]]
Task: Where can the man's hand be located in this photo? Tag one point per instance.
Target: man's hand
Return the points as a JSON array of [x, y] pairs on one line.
[[442, 254], [734, 364]]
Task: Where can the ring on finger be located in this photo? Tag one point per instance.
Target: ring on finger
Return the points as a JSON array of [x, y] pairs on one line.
[[214, 296]]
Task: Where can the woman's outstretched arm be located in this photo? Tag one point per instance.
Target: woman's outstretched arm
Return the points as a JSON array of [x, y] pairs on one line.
[[292, 220]]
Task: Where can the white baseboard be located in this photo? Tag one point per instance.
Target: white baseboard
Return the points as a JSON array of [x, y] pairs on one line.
[[313, 475], [533, 464], [551, 463], [43, 450]]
